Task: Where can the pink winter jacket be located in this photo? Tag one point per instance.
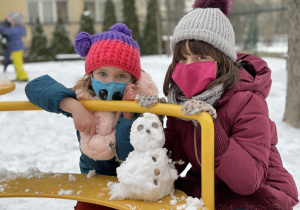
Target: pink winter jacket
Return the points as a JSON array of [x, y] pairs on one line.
[[246, 158]]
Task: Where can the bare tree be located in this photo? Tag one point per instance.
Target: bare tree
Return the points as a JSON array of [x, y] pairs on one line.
[[292, 106]]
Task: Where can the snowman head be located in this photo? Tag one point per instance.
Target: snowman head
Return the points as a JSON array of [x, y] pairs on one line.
[[147, 133]]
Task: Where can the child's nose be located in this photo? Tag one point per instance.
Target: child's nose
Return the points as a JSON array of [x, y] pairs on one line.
[[109, 79], [190, 60]]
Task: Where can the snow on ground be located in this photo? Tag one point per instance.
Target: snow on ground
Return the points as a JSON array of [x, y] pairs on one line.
[[48, 141]]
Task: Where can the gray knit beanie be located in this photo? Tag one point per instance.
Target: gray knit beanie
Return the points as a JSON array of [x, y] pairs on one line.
[[208, 23], [17, 17]]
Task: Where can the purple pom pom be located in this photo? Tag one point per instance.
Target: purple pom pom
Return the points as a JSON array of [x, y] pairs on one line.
[[223, 5], [121, 28], [83, 43]]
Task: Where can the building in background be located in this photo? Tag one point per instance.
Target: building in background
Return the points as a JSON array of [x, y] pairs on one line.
[[47, 11], [71, 10], [258, 22]]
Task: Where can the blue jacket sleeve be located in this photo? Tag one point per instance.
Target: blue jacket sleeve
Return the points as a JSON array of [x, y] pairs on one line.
[[123, 137], [45, 92], [15, 30]]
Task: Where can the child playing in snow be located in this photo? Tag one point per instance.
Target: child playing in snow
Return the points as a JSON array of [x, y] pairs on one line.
[[14, 35], [113, 72], [206, 74]]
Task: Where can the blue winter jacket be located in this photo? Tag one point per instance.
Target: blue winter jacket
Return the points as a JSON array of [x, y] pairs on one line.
[[45, 92], [14, 35]]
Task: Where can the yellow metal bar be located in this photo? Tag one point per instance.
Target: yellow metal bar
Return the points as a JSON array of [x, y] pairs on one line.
[[92, 190], [7, 88], [207, 132]]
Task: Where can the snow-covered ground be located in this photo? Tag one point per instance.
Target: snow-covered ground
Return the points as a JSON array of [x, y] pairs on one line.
[[48, 141]]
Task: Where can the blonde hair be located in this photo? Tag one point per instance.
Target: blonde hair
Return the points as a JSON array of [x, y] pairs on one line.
[[85, 84]]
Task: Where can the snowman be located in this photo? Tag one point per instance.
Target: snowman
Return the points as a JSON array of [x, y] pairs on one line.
[[147, 173]]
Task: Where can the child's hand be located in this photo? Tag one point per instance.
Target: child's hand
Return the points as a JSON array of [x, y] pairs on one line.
[[83, 120], [147, 101], [129, 93], [193, 106]]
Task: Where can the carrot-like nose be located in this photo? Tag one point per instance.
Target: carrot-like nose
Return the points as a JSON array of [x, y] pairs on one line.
[[148, 130]]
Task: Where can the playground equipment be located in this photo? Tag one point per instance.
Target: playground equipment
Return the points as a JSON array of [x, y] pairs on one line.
[[4, 89], [94, 190]]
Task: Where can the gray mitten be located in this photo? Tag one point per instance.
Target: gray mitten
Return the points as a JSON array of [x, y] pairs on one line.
[[193, 106], [147, 101]]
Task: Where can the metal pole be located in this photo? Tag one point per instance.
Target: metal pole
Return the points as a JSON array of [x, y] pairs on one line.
[[254, 27], [158, 32]]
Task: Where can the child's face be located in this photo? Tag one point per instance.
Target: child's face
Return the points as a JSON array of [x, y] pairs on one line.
[[110, 74], [192, 58]]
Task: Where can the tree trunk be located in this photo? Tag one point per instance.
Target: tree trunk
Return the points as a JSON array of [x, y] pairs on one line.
[[292, 107]]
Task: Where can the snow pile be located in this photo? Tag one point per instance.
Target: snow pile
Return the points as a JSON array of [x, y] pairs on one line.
[[147, 174], [191, 204], [4, 80], [130, 206], [65, 192], [6, 175], [57, 175], [72, 178], [91, 173], [2, 187]]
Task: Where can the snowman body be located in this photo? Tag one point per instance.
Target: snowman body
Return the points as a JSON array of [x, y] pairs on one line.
[[147, 173]]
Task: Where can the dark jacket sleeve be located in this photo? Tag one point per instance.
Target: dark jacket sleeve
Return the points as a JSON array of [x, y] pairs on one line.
[[47, 93], [2, 28], [174, 145], [124, 146]]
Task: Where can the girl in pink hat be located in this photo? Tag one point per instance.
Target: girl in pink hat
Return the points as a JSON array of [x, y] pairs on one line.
[[113, 72]]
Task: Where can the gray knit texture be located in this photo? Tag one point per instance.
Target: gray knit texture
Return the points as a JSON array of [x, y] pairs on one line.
[[209, 25], [210, 97]]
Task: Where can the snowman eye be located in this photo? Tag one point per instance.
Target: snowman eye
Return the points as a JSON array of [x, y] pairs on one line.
[[140, 127], [155, 125]]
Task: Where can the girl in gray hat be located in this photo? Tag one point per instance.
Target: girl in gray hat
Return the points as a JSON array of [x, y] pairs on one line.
[[207, 75]]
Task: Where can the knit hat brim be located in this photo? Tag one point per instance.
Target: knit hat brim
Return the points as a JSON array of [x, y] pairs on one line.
[[114, 53], [209, 25], [206, 36]]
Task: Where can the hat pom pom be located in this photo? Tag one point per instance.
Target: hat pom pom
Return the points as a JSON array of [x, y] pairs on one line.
[[121, 28], [223, 5], [83, 43]]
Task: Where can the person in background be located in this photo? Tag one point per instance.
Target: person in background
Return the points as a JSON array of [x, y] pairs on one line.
[[4, 44], [14, 35], [207, 75]]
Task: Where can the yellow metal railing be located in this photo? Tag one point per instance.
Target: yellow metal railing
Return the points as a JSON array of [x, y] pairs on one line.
[[4, 89], [207, 132]]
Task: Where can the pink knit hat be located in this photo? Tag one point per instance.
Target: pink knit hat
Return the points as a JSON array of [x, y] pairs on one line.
[[110, 48]]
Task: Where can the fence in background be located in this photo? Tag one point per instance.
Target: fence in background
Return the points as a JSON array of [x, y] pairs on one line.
[[260, 28]]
